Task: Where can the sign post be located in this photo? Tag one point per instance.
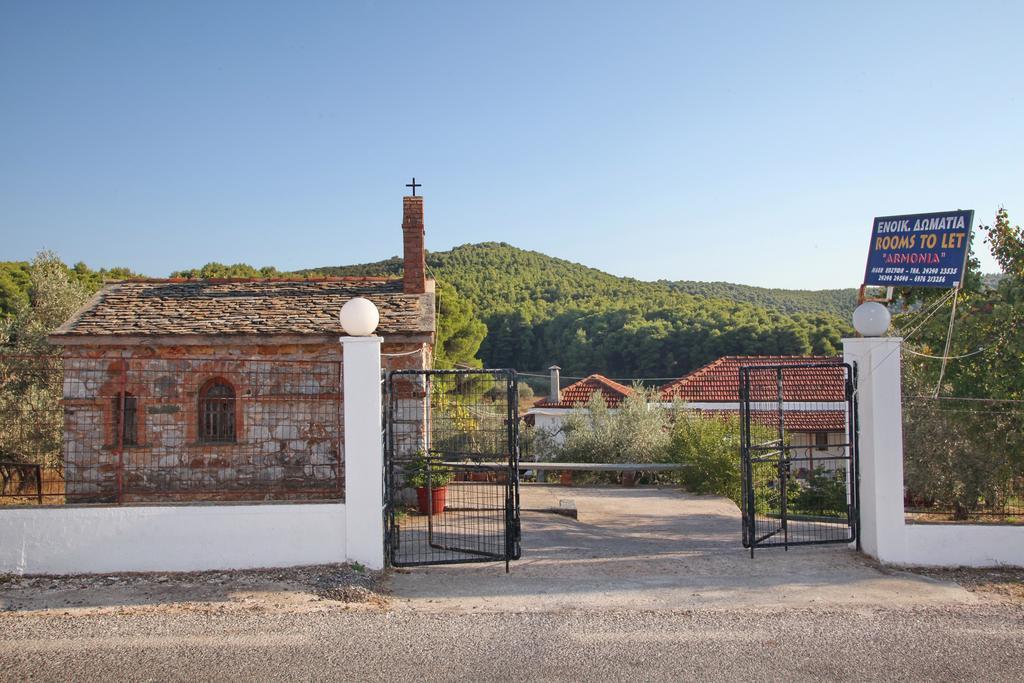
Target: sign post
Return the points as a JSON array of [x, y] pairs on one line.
[[919, 250]]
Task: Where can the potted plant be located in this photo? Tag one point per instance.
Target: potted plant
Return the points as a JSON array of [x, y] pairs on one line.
[[430, 479]]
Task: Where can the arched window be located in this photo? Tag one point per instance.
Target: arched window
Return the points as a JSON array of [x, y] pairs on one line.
[[217, 412], [125, 422]]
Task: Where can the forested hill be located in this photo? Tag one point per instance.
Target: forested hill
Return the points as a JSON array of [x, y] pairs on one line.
[[838, 301], [538, 276], [541, 310]]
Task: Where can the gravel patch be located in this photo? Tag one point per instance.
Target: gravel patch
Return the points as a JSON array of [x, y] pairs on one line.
[[290, 588]]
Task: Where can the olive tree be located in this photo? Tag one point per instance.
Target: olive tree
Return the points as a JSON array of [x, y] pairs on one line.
[[31, 375]]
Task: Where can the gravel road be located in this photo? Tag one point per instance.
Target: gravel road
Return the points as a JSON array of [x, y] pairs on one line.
[[645, 585], [961, 642]]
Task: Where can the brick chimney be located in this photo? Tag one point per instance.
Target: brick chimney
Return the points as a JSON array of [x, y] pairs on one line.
[[414, 259]]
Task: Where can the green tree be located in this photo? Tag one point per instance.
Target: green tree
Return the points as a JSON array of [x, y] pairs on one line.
[[53, 295], [15, 281], [1007, 245], [541, 310], [988, 335], [634, 432], [31, 376], [219, 271], [459, 332], [14, 284], [963, 454]]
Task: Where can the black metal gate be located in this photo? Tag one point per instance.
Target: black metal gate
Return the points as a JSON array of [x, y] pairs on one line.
[[800, 478], [451, 470]]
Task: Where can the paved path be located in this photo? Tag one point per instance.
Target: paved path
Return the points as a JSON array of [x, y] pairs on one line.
[[648, 548]]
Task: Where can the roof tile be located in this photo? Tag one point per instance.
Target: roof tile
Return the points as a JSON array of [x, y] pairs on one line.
[[719, 381], [577, 395], [224, 307], [794, 420]]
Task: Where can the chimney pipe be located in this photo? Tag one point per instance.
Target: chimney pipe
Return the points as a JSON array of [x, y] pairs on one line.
[[414, 280], [555, 394]]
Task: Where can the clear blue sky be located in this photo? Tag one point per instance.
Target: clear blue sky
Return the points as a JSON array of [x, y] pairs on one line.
[[750, 142]]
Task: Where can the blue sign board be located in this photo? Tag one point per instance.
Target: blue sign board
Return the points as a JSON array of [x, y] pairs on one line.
[[919, 250]]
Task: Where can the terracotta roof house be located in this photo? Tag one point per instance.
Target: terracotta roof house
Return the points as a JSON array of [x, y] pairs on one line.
[[579, 394], [719, 381], [814, 397], [550, 412], [716, 386], [226, 389]]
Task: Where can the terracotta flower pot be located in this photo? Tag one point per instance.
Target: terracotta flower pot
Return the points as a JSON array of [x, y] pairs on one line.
[[566, 478], [629, 478], [436, 498]]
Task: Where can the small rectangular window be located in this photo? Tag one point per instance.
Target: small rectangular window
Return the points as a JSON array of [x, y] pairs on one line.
[[126, 432], [821, 441], [217, 413]]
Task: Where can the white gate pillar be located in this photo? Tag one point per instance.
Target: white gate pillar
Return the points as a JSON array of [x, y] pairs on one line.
[[880, 413], [364, 451]]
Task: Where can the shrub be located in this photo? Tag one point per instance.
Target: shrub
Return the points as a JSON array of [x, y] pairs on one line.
[[824, 493], [633, 432], [961, 459], [537, 444], [710, 446]]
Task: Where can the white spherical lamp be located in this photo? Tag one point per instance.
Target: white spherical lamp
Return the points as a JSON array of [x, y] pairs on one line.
[[871, 319], [359, 317]]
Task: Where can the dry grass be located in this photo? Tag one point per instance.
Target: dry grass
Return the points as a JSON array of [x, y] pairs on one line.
[[1015, 519], [1002, 582]]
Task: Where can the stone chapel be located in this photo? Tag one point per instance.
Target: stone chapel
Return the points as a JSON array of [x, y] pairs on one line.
[[190, 390]]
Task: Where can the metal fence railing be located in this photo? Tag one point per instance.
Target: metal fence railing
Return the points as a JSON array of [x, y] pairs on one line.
[[451, 466], [157, 428], [963, 460]]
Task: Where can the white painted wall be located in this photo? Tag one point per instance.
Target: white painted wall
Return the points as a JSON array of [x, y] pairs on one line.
[[968, 545], [75, 540], [884, 532], [72, 540], [804, 449], [364, 450], [552, 422]]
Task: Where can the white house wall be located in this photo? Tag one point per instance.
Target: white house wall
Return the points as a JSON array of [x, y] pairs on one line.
[[66, 540], [551, 423], [832, 458]]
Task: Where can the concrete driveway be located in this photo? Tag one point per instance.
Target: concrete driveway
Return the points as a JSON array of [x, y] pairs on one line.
[[654, 549]]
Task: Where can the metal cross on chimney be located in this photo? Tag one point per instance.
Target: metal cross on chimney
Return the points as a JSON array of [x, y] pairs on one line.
[[414, 185]]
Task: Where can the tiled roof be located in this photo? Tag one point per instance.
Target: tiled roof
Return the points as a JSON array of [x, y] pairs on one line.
[[239, 307], [794, 420], [578, 395], [719, 381]]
